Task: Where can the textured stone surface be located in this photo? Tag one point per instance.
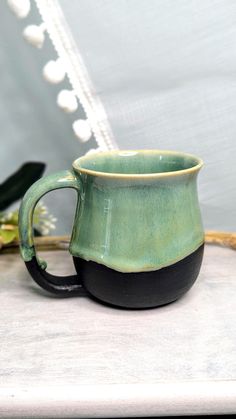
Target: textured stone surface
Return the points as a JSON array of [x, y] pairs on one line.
[[78, 358]]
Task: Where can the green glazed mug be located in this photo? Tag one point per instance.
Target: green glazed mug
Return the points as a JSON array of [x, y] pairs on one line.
[[137, 239]]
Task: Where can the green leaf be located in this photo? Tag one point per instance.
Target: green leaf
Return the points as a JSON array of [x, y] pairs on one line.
[[7, 236], [37, 233], [16, 185]]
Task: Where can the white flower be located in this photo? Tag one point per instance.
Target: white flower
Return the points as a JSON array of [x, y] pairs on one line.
[[46, 221]]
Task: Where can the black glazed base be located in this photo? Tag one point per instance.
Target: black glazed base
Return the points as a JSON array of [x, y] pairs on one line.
[[127, 290], [143, 289]]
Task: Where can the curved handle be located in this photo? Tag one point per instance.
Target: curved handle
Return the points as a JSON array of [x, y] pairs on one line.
[[64, 286]]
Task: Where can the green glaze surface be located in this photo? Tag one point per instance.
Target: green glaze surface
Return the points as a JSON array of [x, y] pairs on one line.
[[63, 179], [141, 214], [139, 209]]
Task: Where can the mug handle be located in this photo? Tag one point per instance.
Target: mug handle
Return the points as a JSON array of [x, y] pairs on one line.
[[63, 286]]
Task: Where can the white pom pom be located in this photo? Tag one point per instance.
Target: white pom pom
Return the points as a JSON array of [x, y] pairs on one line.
[[54, 71], [67, 101], [35, 35], [20, 8], [93, 150], [82, 130]]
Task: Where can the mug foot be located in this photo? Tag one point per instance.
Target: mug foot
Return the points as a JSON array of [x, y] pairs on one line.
[[143, 289]]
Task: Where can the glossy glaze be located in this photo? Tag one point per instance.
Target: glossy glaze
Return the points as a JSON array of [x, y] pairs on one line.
[[138, 211], [137, 215], [63, 179]]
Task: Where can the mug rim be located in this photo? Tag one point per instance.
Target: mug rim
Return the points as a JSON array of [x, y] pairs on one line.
[[77, 167]]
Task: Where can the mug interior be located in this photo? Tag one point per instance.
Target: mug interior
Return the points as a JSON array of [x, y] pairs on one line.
[[141, 162]]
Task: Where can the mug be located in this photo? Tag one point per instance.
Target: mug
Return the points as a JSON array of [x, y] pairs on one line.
[[137, 239]]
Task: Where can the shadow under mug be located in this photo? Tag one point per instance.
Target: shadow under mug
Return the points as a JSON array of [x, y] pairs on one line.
[[137, 239]]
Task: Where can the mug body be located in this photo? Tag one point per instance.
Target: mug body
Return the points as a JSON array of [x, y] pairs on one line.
[[138, 239]]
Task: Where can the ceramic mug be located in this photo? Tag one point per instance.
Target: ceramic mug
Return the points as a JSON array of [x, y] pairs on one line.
[[137, 238]]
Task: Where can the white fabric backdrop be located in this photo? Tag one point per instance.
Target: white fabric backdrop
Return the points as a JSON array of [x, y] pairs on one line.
[[165, 71]]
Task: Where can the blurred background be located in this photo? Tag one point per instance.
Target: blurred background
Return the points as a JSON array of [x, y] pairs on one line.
[[33, 128], [166, 74]]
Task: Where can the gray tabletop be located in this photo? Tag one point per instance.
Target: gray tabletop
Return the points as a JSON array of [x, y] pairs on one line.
[[78, 358]]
